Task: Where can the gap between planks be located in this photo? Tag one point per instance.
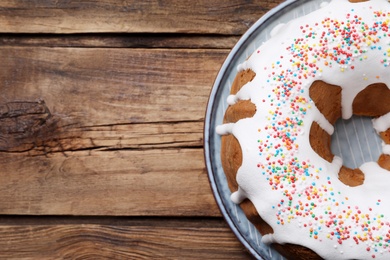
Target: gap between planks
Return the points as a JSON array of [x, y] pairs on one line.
[[168, 221], [121, 40]]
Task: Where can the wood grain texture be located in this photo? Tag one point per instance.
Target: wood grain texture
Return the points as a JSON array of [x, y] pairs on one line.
[[103, 86], [118, 40], [103, 98], [169, 182], [150, 239], [151, 16], [105, 124]]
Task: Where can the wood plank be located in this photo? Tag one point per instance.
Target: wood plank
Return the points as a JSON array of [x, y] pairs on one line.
[[152, 182], [51, 138], [209, 17], [115, 40], [99, 86], [161, 239], [60, 99], [83, 147]]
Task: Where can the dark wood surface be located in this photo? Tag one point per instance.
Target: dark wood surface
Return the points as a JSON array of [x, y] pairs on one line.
[[101, 127]]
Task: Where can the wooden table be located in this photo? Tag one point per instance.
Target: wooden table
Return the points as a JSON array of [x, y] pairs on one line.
[[101, 127]]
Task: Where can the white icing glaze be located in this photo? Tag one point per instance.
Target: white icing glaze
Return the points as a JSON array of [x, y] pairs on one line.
[[381, 123], [386, 148], [323, 4], [276, 29], [294, 190], [224, 129]]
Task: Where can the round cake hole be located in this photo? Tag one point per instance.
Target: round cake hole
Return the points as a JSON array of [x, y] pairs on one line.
[[356, 141]]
